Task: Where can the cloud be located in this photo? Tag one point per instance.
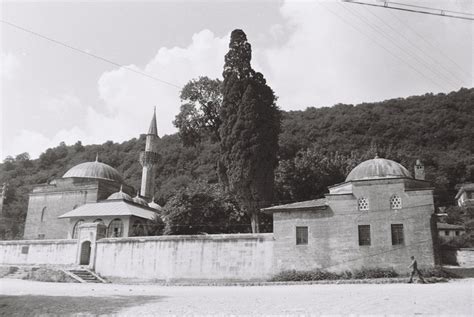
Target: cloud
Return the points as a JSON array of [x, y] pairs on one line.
[[321, 54], [9, 66], [128, 98]]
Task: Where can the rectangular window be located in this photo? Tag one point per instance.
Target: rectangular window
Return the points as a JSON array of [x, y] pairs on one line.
[[446, 232], [364, 235], [301, 235], [457, 233], [41, 236], [25, 249], [397, 234]]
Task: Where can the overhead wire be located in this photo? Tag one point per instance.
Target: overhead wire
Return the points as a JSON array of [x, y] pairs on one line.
[[386, 5], [90, 54], [416, 46], [381, 46], [437, 47], [394, 42]]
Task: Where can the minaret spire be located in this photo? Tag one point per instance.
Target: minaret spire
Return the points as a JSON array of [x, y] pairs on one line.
[[148, 159], [153, 128]]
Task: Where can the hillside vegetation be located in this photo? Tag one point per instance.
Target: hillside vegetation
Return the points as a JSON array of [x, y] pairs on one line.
[[318, 147]]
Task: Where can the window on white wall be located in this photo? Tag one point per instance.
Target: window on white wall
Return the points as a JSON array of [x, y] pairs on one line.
[[115, 229], [395, 202], [363, 204], [301, 235]]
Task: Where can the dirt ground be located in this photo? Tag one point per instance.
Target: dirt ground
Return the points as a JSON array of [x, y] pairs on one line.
[[27, 298]]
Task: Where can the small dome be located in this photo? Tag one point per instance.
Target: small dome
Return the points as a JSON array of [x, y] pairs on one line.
[[378, 168], [154, 205], [139, 200], [120, 195], [94, 170]]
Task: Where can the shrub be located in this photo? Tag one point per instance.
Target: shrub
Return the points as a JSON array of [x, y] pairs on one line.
[[48, 275], [437, 271], [319, 275], [374, 273]]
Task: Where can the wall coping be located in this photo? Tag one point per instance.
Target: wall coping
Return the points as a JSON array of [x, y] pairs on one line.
[[209, 237], [49, 241]]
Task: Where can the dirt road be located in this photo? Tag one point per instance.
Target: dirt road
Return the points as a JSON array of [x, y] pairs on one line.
[[31, 298]]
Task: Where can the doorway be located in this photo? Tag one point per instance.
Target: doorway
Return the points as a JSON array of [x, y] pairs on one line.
[[85, 253]]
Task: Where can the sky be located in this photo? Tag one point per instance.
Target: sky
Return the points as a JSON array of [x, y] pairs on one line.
[[312, 53]]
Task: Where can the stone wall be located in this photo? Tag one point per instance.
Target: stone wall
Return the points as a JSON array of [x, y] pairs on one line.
[[57, 252], [212, 257], [333, 232]]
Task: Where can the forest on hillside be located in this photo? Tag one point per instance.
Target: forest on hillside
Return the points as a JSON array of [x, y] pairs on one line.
[[317, 148]]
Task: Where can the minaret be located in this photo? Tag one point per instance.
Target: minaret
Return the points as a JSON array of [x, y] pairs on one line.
[[148, 159]]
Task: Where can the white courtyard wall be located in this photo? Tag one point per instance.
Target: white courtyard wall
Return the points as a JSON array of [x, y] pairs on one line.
[[38, 252], [227, 256]]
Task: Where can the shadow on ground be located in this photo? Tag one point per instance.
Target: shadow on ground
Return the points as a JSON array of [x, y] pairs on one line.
[[33, 305]]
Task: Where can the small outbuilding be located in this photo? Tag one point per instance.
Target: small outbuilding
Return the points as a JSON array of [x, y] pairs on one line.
[[379, 217]]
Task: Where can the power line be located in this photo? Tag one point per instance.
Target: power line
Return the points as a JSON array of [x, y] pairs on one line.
[[442, 12], [381, 45], [421, 7], [393, 40], [425, 53], [90, 54], [433, 47]]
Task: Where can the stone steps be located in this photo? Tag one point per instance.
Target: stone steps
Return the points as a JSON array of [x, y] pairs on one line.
[[84, 276]]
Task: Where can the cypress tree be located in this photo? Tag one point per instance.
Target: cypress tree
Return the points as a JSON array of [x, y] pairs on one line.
[[249, 131]]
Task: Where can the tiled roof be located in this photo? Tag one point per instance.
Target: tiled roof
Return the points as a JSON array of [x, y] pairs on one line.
[[447, 226], [111, 208], [301, 205]]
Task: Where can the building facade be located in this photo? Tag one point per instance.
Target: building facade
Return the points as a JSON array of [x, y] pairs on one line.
[[378, 217], [91, 192]]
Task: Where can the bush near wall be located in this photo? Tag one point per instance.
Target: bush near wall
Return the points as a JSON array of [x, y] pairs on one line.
[[49, 275], [318, 275], [364, 273]]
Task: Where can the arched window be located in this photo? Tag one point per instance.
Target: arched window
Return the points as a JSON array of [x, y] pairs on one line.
[[75, 230], [363, 204], [42, 214], [138, 229], [395, 202], [99, 221], [115, 229]]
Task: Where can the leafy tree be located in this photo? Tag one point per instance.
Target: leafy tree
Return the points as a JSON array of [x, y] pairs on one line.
[[249, 130], [199, 115], [308, 175], [200, 208]]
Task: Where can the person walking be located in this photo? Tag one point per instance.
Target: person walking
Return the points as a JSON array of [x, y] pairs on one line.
[[414, 270]]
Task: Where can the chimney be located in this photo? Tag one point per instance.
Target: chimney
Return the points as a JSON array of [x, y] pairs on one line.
[[419, 170]]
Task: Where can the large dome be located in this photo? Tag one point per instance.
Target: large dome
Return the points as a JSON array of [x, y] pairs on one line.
[[94, 170], [378, 168]]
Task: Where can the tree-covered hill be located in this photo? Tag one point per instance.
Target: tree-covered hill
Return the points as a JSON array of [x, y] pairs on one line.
[[318, 146]]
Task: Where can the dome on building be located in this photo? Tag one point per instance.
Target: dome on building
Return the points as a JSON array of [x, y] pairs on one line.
[[94, 170], [120, 195], [139, 200], [378, 168]]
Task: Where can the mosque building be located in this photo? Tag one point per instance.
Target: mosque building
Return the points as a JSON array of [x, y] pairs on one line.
[[379, 217], [94, 192]]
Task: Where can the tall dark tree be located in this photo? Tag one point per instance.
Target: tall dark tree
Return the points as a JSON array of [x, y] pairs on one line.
[[199, 115], [249, 130]]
